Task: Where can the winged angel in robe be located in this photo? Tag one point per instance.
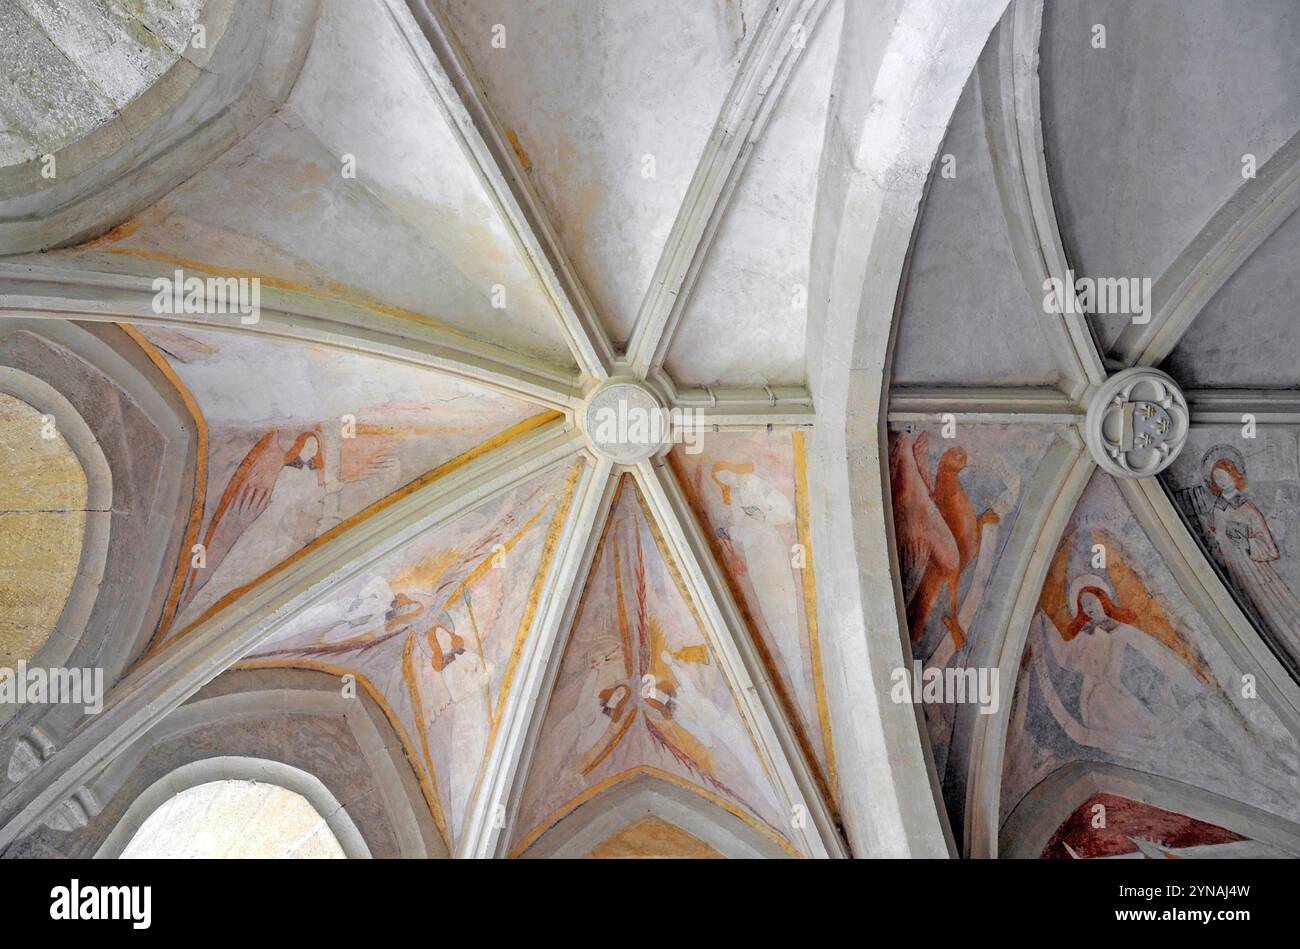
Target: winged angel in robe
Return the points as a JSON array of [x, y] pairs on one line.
[[639, 685], [1145, 694], [277, 484], [410, 646], [277, 501]]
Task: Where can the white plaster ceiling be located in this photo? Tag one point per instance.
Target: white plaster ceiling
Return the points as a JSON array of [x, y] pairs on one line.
[[1248, 335], [587, 97], [1188, 88], [963, 282], [415, 230], [754, 289]]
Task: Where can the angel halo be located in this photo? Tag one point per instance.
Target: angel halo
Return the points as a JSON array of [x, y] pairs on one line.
[[1083, 582]]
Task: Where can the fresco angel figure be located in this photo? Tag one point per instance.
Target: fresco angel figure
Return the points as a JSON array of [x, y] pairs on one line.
[[1245, 547], [606, 707], [269, 510], [641, 685], [1145, 694], [759, 513], [443, 677]]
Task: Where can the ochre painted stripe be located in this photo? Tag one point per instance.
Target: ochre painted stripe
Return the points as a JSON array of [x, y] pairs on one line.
[[441, 471], [428, 782], [200, 478], [810, 603], [596, 789]]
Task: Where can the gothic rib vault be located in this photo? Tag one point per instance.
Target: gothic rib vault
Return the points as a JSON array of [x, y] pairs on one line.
[[433, 598], [1074, 549]]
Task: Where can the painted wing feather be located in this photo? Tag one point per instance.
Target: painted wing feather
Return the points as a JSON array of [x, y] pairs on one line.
[[366, 455], [475, 556], [914, 554], [921, 454], [915, 542], [1152, 619], [686, 749], [245, 498], [1053, 599]]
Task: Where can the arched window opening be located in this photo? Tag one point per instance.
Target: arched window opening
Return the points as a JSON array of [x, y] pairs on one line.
[[43, 498], [136, 45], [235, 819]]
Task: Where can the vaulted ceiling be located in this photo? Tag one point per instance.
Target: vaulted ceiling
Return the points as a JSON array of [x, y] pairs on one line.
[[344, 522], [1101, 141]]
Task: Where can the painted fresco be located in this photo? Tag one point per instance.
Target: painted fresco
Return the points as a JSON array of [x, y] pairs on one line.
[[1241, 498], [639, 692], [652, 838], [1108, 827], [955, 501], [1120, 668], [309, 438], [750, 492], [435, 630]]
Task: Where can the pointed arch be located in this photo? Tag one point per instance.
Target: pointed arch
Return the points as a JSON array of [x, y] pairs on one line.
[[625, 798], [1036, 818], [196, 774]]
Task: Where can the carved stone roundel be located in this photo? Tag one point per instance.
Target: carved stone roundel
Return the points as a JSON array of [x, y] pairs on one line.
[[1137, 423], [625, 421]]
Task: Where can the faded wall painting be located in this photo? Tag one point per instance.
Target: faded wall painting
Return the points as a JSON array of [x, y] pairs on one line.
[[749, 491], [434, 632], [955, 501], [652, 838], [639, 692], [1241, 499], [1120, 668], [309, 438], [1109, 827]]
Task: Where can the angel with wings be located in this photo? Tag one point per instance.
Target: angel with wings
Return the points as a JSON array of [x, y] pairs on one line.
[[279, 483], [639, 686], [1096, 628], [283, 494], [762, 517], [410, 644], [1090, 632], [634, 680]]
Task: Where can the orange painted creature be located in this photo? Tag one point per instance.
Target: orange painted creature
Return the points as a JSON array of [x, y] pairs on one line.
[[936, 527]]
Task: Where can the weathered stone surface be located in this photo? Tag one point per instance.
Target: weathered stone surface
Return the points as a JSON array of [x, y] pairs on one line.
[[42, 523], [70, 66]]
